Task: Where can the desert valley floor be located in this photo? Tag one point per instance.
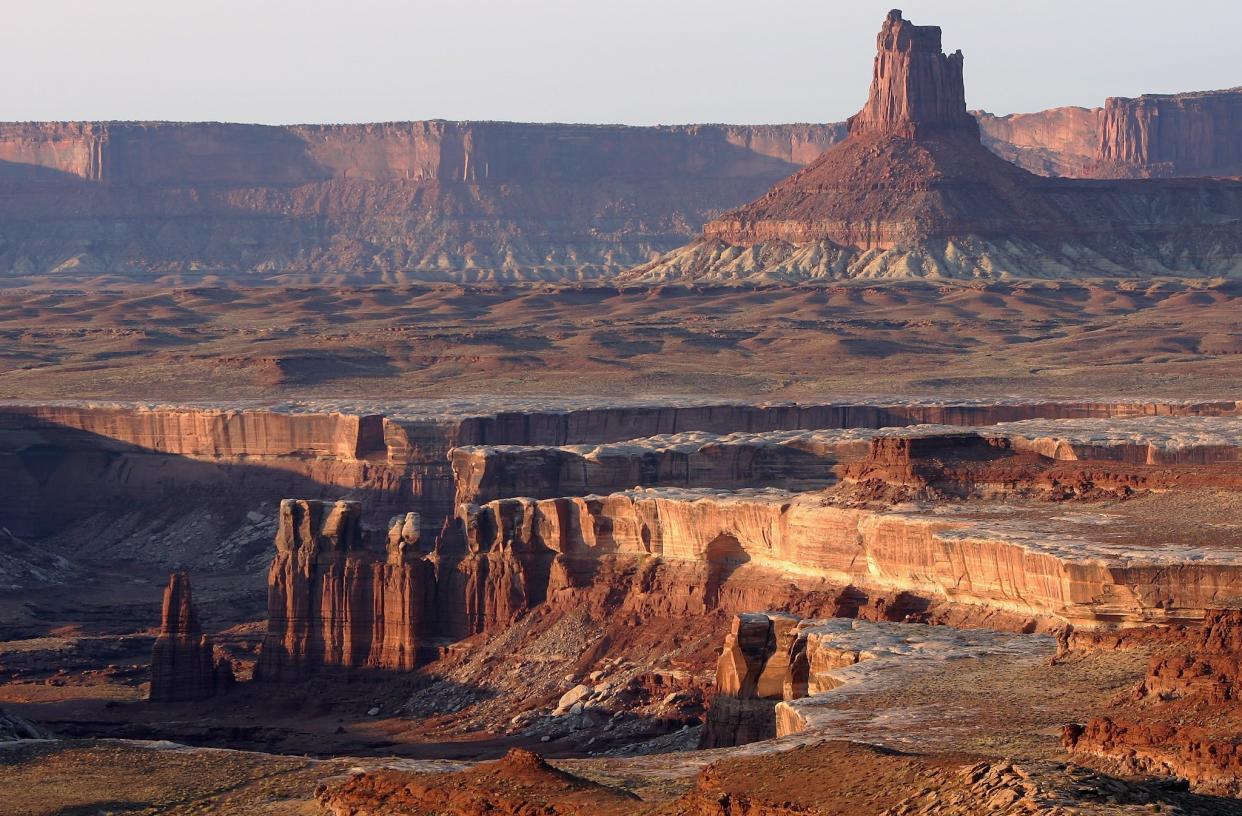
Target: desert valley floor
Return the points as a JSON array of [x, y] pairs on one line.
[[1037, 338]]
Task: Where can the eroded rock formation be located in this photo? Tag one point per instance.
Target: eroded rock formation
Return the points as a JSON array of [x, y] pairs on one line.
[[777, 670], [340, 596], [913, 192], [1184, 717], [1030, 567], [916, 90], [750, 680], [183, 660]]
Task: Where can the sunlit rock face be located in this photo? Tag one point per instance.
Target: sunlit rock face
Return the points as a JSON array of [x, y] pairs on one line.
[[1184, 716], [342, 597], [1027, 565]]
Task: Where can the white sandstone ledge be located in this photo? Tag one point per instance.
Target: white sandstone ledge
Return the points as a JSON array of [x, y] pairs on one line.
[[890, 655], [1068, 439], [469, 407]]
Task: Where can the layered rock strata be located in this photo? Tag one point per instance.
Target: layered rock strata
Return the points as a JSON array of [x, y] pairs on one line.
[[66, 462], [912, 192], [428, 200], [812, 458], [689, 459], [184, 665], [340, 596], [1027, 565], [1198, 133], [1163, 135]]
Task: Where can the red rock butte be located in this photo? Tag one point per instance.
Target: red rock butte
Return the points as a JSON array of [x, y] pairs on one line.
[[916, 88], [913, 192]]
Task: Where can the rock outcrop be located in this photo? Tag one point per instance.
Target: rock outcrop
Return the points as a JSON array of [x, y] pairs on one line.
[[777, 671], [1184, 716], [916, 90], [340, 596], [13, 727], [183, 660], [519, 784], [750, 680], [912, 192]]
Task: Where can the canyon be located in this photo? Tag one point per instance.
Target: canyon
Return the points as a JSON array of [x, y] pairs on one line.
[[912, 487], [582, 567]]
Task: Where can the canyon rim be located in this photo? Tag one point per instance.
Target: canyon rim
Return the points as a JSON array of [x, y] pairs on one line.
[[887, 466]]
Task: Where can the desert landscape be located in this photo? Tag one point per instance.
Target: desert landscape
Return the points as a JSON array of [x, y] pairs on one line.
[[882, 467]]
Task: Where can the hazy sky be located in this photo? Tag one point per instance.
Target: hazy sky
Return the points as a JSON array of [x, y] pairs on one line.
[[632, 61]]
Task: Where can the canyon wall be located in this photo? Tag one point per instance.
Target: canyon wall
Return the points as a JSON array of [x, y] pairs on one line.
[[1162, 135], [380, 202], [1028, 567], [1054, 142], [437, 200], [1149, 136], [64, 463]]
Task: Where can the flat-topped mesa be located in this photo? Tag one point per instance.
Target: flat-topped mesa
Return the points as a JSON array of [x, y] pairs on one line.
[[916, 88], [1163, 135], [183, 661], [341, 596]]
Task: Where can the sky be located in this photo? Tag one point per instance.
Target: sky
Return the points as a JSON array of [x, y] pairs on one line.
[[619, 61]]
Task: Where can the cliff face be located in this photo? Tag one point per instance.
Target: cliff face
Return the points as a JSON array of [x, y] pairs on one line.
[[183, 661], [1054, 142], [1151, 136], [65, 463], [1161, 135], [422, 200], [340, 598]]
